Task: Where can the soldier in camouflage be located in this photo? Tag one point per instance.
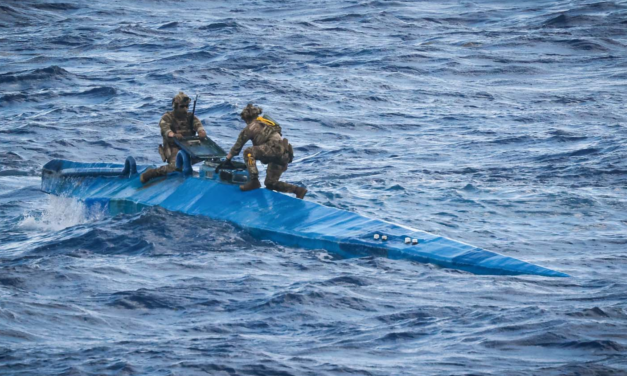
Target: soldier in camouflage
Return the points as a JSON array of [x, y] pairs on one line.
[[174, 124], [269, 148]]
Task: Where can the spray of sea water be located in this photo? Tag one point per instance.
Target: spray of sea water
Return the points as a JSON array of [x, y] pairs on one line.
[[59, 213]]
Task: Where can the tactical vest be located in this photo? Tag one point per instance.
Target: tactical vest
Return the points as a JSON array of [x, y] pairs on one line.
[[271, 126], [178, 125]]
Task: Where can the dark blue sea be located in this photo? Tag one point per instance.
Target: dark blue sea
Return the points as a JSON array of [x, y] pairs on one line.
[[501, 124]]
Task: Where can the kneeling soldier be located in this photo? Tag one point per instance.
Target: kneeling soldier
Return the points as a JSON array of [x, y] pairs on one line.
[[269, 148]]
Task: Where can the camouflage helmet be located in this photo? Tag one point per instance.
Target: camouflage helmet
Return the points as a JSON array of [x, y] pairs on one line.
[[251, 112], [180, 98]]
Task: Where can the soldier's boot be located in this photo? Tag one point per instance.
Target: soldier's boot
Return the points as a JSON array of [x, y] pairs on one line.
[[252, 184], [150, 173], [280, 186], [300, 192]]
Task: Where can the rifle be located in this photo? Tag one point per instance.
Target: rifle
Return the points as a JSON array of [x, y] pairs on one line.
[[191, 119]]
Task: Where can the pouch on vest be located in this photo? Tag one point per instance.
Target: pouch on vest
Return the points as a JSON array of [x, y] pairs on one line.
[[288, 154]]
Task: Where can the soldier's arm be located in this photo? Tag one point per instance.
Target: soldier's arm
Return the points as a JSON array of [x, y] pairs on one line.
[[242, 139], [198, 128], [164, 124]]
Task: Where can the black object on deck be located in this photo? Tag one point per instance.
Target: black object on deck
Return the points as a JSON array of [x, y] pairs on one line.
[[201, 149]]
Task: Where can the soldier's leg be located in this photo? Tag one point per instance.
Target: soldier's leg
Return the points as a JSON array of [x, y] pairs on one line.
[[251, 162], [152, 173], [251, 166], [273, 174]]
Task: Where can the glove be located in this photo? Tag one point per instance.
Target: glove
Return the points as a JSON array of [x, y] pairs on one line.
[[202, 134], [226, 164]]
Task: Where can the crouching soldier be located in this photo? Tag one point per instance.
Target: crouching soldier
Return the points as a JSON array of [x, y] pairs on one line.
[[175, 124], [269, 148]]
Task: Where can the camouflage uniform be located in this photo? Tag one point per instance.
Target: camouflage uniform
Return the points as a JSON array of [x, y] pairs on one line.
[[269, 148], [169, 123]]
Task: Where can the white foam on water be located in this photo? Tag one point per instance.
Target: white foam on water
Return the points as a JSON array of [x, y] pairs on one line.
[[324, 256], [59, 213]]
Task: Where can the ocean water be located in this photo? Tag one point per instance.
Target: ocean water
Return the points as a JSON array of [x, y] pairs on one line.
[[500, 124]]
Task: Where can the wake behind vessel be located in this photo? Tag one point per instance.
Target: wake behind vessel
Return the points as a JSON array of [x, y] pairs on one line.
[[213, 192]]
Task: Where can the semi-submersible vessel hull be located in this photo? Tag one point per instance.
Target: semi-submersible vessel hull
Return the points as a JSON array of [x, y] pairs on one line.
[[268, 215]]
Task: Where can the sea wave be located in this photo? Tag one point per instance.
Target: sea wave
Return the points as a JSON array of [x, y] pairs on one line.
[[502, 126]]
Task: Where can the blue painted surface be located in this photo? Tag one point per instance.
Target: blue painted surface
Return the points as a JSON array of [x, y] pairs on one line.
[[270, 215]]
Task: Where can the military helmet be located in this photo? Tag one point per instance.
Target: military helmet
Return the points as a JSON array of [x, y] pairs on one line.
[[251, 112], [180, 98]]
